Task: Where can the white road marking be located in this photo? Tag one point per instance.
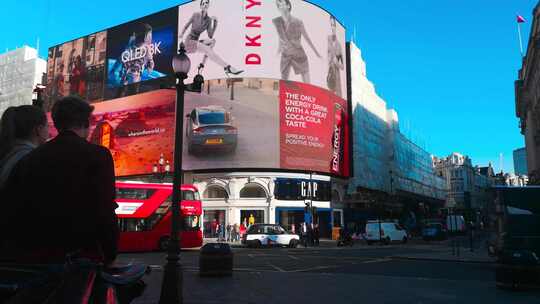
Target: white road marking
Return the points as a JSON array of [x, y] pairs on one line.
[[376, 261], [293, 257], [276, 268], [314, 268]]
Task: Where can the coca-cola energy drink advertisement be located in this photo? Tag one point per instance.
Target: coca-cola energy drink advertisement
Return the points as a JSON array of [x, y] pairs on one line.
[[337, 140], [313, 129]]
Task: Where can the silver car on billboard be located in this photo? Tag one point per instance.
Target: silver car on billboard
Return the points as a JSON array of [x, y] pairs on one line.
[[210, 128]]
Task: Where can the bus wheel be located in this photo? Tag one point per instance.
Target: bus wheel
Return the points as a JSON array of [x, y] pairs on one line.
[[163, 243]]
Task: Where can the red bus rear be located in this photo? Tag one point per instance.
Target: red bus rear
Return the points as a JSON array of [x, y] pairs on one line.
[[144, 216]]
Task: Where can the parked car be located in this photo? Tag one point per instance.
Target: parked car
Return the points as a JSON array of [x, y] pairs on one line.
[[259, 235], [434, 231], [210, 128], [390, 232]]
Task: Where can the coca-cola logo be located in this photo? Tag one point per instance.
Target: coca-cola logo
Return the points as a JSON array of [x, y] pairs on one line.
[[141, 52]]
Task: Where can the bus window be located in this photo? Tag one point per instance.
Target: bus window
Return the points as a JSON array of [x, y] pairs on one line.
[[132, 225], [133, 193], [160, 213], [188, 195]]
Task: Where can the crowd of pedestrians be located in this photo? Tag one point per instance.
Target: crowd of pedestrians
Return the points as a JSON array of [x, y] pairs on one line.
[[228, 233], [309, 234]]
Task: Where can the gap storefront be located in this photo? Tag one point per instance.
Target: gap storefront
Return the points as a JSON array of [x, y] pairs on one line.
[[240, 198]]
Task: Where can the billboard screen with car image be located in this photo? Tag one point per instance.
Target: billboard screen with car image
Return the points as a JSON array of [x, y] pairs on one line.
[[266, 123]]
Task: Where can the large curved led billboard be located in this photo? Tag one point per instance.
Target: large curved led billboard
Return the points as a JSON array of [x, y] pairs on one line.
[[280, 39], [273, 96]]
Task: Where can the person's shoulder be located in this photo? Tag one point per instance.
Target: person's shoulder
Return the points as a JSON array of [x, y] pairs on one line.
[[99, 149], [296, 20]]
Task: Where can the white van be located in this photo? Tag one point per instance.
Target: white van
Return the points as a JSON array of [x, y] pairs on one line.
[[455, 223], [391, 232]]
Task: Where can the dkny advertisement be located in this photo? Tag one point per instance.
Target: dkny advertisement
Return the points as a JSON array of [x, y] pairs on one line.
[[139, 54], [279, 39]]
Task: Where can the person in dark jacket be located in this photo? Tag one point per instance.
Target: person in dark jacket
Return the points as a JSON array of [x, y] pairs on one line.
[[316, 234], [22, 129], [62, 196]]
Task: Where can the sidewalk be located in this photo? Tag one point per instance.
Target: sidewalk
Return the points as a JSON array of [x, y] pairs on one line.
[[447, 254]]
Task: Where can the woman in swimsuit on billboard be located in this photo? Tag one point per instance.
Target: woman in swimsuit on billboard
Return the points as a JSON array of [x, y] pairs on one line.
[[290, 31], [335, 60], [201, 22]]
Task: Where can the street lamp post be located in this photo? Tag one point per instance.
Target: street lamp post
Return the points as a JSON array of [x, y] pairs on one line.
[[171, 288]]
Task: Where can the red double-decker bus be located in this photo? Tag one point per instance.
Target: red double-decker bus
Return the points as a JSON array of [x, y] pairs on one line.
[[144, 216]]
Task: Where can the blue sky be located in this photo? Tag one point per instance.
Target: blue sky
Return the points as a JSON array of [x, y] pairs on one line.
[[446, 66]]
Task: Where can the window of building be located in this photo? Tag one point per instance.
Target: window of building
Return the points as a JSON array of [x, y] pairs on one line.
[[250, 217], [252, 191], [215, 192]]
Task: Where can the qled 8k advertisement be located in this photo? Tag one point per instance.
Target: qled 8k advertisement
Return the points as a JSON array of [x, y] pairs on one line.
[[139, 54], [279, 39]]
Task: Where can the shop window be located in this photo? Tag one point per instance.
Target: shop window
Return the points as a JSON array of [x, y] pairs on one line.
[[252, 191], [212, 220], [337, 218], [215, 192], [250, 217]]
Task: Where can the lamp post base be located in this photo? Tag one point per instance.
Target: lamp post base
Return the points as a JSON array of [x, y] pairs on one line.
[[171, 287]]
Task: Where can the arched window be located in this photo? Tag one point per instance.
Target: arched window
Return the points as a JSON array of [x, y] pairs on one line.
[[252, 191], [215, 192]]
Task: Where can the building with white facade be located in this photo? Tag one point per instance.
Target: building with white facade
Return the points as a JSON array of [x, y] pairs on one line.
[[468, 186], [392, 175], [516, 180], [20, 71], [271, 197]]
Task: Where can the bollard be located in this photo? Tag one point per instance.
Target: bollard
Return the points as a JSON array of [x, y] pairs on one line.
[[216, 259]]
